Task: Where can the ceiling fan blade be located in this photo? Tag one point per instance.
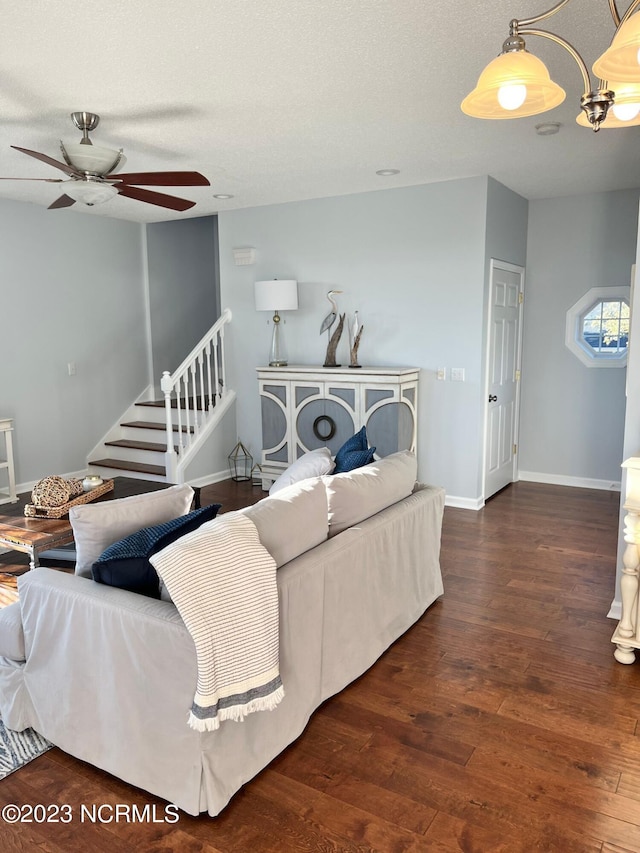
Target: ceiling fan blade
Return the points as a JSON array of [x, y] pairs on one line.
[[162, 179], [68, 170], [161, 199], [62, 201], [47, 180]]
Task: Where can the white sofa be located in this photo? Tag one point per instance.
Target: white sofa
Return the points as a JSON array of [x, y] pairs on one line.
[[108, 675]]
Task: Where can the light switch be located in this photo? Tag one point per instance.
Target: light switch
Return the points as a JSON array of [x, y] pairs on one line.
[[441, 373], [71, 367]]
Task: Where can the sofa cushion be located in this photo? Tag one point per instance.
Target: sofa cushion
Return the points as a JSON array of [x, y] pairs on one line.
[[354, 453], [125, 564], [356, 495], [98, 525], [11, 632], [311, 464], [292, 521]]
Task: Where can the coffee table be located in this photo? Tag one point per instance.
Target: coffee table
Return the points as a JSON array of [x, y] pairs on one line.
[[32, 536]]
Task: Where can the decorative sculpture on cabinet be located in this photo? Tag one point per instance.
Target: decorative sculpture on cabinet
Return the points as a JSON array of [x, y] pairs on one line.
[[327, 323]]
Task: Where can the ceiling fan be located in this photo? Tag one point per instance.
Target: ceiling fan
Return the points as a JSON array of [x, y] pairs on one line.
[[92, 178]]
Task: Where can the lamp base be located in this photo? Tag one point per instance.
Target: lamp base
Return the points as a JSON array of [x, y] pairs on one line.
[[278, 355]]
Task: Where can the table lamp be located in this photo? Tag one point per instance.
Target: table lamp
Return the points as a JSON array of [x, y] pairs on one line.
[[277, 295]]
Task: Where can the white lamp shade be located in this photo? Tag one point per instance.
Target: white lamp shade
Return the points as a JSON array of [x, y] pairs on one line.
[[276, 295]]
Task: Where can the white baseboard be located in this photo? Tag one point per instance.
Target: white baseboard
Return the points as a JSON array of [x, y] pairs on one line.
[[464, 503], [565, 480], [615, 611], [209, 479]]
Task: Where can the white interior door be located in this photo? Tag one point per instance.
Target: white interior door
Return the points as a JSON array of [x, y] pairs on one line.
[[503, 376]]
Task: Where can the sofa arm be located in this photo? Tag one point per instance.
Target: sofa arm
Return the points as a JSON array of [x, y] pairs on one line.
[[11, 633]]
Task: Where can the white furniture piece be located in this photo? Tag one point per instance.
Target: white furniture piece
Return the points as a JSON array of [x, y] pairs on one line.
[[7, 471], [305, 407], [627, 634]]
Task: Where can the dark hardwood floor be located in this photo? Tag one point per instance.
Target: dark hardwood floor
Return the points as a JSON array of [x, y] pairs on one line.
[[499, 723]]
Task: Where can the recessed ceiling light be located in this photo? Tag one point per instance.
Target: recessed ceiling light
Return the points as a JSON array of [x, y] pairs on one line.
[[547, 128], [222, 195], [385, 172]]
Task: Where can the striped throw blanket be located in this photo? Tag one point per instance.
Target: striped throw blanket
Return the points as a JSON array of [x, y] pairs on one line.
[[223, 582]]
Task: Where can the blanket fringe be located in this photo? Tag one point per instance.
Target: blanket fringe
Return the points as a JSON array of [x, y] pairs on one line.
[[237, 713]]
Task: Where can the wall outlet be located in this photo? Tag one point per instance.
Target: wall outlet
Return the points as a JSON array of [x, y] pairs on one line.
[[441, 373], [457, 374]]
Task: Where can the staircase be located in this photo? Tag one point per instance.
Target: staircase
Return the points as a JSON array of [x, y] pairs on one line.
[[155, 439]]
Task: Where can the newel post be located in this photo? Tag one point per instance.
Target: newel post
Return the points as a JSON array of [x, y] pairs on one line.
[[171, 460]]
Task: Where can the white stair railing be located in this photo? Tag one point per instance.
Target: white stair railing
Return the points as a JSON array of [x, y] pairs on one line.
[[192, 393]]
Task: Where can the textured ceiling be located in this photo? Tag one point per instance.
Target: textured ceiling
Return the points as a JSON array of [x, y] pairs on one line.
[[282, 100]]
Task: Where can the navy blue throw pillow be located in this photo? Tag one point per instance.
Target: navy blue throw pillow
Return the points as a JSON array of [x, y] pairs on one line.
[[125, 564], [354, 459], [354, 453]]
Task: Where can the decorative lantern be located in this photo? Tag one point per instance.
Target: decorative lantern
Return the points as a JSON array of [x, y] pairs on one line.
[[256, 475], [240, 463]]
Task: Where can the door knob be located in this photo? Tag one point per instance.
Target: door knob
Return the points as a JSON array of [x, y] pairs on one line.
[[493, 398]]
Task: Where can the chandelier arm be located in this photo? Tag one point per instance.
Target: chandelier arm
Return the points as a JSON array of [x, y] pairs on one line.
[[568, 47], [632, 8], [526, 22], [614, 12]]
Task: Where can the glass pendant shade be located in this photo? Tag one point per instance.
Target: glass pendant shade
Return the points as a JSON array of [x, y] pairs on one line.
[[513, 85], [89, 192], [93, 159], [627, 102], [621, 60]]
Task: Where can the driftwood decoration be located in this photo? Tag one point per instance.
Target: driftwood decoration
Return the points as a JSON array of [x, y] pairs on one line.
[[330, 358]]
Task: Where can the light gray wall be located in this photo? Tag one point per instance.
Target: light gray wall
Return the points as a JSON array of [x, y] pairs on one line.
[[71, 290], [412, 262], [507, 219], [183, 305], [572, 416]]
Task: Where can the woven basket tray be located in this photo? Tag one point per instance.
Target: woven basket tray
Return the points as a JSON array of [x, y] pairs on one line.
[[32, 511]]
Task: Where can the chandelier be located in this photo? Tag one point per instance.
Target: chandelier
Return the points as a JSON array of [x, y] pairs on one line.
[[518, 84]]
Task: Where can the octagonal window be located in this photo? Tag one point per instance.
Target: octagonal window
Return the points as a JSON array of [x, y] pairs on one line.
[[605, 327], [597, 329]]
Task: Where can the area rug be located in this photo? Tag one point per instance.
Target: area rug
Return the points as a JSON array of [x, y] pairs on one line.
[[19, 748]]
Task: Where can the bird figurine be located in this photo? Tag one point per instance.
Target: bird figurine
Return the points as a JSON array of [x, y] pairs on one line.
[[327, 323], [330, 319]]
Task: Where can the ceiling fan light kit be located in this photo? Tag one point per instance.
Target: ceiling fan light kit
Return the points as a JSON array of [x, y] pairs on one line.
[[517, 84], [91, 159], [90, 192], [92, 179]]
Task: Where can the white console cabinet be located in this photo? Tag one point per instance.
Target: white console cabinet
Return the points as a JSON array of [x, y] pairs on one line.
[[306, 407], [7, 472]]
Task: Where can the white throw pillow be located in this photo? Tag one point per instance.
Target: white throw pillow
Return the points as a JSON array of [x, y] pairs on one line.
[[358, 494], [98, 525], [315, 463]]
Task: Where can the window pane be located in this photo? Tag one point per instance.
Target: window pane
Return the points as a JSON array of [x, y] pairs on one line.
[[595, 313]]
